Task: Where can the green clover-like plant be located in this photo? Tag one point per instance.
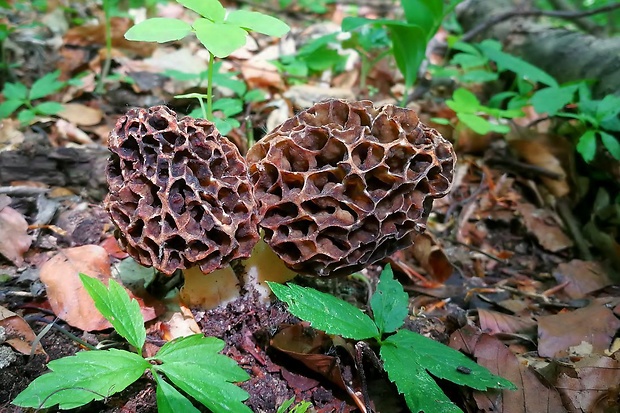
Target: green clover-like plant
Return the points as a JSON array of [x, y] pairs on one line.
[[193, 364], [410, 359], [219, 31]]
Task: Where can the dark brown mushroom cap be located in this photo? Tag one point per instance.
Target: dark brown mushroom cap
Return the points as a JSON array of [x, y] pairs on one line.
[[342, 185], [179, 192]]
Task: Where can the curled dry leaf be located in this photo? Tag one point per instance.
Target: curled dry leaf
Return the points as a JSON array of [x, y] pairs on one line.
[[431, 257], [66, 294], [544, 226], [493, 322], [19, 334], [14, 239], [69, 131], [81, 115], [584, 277], [304, 96]]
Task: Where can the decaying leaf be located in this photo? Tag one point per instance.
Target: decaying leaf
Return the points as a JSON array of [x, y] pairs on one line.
[[583, 277], [19, 334], [431, 257], [544, 227], [81, 115], [14, 238], [493, 322], [66, 294]]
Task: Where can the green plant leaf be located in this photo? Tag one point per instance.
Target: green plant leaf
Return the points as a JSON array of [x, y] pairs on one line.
[[476, 123], [180, 75], [426, 14], [479, 76], [587, 145], [77, 380], [26, 116], [228, 106], [551, 100], [255, 95], [326, 312], [121, 311], [409, 48], [258, 22], [211, 9], [15, 91], [220, 39], [159, 29], [389, 303], [46, 85], [8, 107], [170, 400], [611, 143], [48, 108], [226, 125], [208, 377]]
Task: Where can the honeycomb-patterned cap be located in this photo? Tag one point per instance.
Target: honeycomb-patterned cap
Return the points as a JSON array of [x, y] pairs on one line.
[[179, 192], [342, 185]]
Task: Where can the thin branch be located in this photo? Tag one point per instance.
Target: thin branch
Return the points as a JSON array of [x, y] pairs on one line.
[[561, 14], [582, 23]]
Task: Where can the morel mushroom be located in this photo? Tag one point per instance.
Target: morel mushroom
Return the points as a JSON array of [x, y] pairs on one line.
[[343, 185], [180, 195]]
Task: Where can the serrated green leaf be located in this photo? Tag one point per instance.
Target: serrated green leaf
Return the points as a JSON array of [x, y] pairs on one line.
[[15, 91], [133, 275], [389, 303], [121, 311], [211, 9], [26, 116], [48, 108], [476, 123], [611, 143], [209, 377], [220, 39], [170, 400], [158, 29], [46, 85], [519, 66], [326, 312], [8, 107], [587, 145], [77, 380], [258, 22]]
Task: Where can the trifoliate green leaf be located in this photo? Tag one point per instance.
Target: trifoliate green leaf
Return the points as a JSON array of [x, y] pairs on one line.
[[48, 108], [390, 303], [116, 306], [258, 22], [211, 9], [587, 145], [220, 39], [159, 29], [15, 91], [8, 107], [326, 312], [194, 365], [170, 400], [80, 379], [46, 85]]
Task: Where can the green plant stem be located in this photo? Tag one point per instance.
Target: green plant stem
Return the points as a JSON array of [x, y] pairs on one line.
[[108, 47], [210, 89], [202, 106]]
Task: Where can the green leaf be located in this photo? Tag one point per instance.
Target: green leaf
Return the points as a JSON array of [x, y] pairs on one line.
[[228, 106], [8, 107], [211, 9], [170, 400], [80, 379], [389, 303], [26, 116], [326, 312], [208, 377], [479, 76], [258, 22], [587, 145], [225, 125], [476, 123], [220, 39], [409, 48], [48, 108], [440, 121], [255, 95], [611, 143], [46, 85], [551, 100], [180, 75], [133, 275], [115, 305], [158, 29], [15, 91], [464, 101], [427, 14]]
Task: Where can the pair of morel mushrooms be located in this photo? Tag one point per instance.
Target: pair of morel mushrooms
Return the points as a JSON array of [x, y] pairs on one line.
[[333, 189]]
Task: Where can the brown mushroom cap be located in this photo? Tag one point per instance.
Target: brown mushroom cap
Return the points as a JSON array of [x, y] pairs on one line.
[[342, 185], [179, 192]]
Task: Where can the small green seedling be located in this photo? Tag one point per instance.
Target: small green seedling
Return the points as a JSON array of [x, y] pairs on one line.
[[221, 33], [18, 96], [315, 6], [287, 406], [407, 357], [192, 364]]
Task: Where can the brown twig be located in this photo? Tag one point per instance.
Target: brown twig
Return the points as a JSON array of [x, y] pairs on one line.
[[561, 14]]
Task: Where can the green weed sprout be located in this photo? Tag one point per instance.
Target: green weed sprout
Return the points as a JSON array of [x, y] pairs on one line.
[[18, 96], [192, 364], [221, 33], [287, 406], [407, 357]]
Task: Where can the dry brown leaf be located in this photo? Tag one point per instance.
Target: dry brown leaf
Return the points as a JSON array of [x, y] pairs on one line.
[[66, 294], [583, 277], [493, 322], [542, 224], [260, 74], [10, 135], [595, 324], [431, 257], [81, 115], [70, 132], [304, 96], [19, 334], [14, 238], [180, 324], [533, 395]]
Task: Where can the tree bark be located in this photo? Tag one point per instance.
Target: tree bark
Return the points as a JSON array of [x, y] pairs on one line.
[[567, 55]]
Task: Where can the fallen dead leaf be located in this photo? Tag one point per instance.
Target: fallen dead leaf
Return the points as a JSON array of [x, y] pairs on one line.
[[19, 334], [493, 322], [542, 224], [14, 238], [81, 115], [431, 257], [180, 324], [583, 277], [70, 132], [66, 294], [304, 96], [595, 324]]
